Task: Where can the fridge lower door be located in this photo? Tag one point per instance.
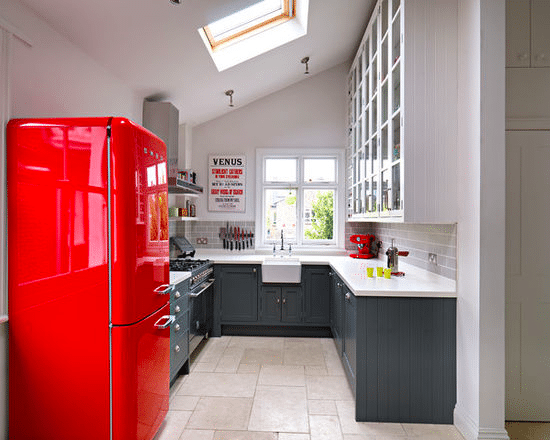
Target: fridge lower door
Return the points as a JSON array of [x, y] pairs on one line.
[[140, 376]]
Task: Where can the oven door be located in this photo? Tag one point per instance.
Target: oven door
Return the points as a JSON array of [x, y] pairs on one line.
[[201, 311]]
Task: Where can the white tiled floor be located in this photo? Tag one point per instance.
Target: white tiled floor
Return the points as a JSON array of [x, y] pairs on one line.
[[251, 388]]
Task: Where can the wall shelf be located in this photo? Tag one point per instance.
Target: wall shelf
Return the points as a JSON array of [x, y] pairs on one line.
[[179, 186]]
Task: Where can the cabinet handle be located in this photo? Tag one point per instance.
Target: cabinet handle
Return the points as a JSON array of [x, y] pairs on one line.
[[348, 297], [254, 270], [177, 327], [284, 300], [278, 300], [177, 348], [177, 309], [177, 294]]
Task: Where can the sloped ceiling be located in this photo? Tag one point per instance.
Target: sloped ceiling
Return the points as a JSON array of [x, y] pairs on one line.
[[154, 47]]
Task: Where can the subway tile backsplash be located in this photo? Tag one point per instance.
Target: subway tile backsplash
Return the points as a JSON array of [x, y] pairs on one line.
[[195, 232], [418, 239]]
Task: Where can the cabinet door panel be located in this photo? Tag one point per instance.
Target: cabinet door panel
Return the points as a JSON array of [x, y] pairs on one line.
[[291, 299], [239, 298], [517, 33], [270, 304], [540, 33], [338, 317], [316, 295], [350, 334]]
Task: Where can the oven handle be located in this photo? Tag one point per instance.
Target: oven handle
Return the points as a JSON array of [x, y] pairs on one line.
[[169, 320], [194, 295]]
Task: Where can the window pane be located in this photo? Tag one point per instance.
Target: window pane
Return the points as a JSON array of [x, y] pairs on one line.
[[280, 210], [318, 214], [319, 170], [280, 170]]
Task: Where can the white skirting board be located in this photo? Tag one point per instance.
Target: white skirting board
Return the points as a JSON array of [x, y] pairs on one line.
[[471, 431]]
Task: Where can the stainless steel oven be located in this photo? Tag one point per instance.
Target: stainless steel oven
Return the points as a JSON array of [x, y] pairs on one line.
[[201, 307]]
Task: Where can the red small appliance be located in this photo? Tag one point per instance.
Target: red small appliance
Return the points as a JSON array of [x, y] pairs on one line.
[[363, 242]]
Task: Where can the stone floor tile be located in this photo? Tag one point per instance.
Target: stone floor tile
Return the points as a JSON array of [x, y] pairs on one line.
[[322, 407], [228, 364], [328, 388], [424, 430], [219, 385], [325, 428], [224, 413], [249, 368], [279, 409], [183, 403], [316, 370], [346, 414], [273, 343], [303, 351], [173, 425], [204, 367], [290, 436], [282, 375], [263, 356], [245, 435], [197, 434]]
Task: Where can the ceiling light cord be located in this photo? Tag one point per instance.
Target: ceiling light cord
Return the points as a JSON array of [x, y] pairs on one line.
[[305, 60], [230, 94]]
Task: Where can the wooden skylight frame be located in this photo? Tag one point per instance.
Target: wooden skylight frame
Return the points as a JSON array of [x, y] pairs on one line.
[[285, 13]]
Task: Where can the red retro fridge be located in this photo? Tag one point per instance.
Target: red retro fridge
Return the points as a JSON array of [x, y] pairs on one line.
[[88, 270]]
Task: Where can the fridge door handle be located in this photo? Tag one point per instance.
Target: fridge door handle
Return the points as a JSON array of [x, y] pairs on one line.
[[163, 289], [169, 320]]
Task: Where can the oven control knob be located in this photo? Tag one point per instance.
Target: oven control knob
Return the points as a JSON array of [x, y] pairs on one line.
[[177, 348], [177, 327], [177, 309], [177, 294]]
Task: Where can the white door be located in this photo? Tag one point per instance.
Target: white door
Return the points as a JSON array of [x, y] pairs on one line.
[[528, 275]]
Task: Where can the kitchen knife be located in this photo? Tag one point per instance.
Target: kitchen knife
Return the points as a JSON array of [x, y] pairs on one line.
[[231, 238], [239, 237]]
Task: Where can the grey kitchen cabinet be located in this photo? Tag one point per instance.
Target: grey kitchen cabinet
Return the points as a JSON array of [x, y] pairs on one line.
[[399, 355], [337, 312], [280, 304], [316, 283], [349, 336], [179, 330], [238, 292]]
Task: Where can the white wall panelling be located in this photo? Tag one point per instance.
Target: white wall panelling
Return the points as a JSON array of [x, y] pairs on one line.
[[480, 310]]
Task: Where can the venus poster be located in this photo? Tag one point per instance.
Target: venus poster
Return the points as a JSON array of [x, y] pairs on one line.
[[226, 183]]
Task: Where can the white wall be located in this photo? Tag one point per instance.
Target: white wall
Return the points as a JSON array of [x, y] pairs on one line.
[[308, 114], [480, 341], [55, 78]]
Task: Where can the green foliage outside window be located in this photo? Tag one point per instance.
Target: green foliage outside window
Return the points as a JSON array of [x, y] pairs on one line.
[[322, 217]]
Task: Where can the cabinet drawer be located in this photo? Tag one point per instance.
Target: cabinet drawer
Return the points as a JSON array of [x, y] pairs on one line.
[[180, 306], [179, 327], [180, 291], [179, 352]]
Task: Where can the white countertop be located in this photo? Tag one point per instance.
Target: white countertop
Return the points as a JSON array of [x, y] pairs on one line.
[[416, 282], [178, 276]]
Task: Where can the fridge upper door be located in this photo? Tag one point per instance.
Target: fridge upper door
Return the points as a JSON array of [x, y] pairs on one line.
[[141, 382], [139, 222]]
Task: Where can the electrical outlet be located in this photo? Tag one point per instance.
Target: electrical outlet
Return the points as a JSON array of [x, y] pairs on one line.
[[432, 258], [202, 240]]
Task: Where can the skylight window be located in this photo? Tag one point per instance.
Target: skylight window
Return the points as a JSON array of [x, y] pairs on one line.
[[252, 31], [244, 23]]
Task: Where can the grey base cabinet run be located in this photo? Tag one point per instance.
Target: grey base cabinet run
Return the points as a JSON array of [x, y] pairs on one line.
[[399, 355]]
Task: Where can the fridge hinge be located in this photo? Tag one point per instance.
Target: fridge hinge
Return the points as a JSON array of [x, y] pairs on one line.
[[108, 131]]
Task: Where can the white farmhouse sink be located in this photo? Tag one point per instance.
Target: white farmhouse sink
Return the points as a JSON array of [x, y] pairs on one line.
[[281, 270]]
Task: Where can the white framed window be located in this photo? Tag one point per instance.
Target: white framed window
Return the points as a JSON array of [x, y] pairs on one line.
[[299, 194]]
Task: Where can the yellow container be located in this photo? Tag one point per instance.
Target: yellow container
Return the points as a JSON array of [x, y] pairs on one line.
[[387, 273], [380, 271], [370, 272]]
